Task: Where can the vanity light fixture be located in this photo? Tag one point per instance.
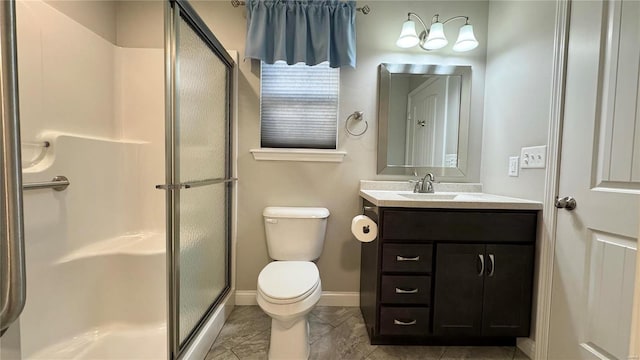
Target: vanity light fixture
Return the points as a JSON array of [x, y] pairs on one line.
[[433, 38]]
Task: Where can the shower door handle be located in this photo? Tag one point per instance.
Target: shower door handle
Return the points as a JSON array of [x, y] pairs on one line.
[[194, 184], [12, 268]]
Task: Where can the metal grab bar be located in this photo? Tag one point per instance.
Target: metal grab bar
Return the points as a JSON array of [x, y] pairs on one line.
[[194, 184], [58, 183], [12, 267]]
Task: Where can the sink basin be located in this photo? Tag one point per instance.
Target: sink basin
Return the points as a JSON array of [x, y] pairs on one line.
[[429, 196]]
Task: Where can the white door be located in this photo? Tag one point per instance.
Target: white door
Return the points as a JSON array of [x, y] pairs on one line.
[[425, 123], [596, 243]]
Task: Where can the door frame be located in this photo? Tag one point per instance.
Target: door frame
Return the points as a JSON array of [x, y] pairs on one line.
[[174, 10], [539, 349], [547, 229], [634, 345]]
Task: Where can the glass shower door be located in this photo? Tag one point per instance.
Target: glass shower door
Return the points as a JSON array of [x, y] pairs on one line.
[[198, 172]]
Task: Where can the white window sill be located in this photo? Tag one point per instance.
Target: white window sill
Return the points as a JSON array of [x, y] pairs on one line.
[[316, 155]]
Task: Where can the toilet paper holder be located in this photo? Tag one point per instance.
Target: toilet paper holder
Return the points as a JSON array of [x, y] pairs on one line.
[[366, 229]]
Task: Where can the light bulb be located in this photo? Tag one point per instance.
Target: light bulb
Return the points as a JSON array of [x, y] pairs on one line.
[[436, 39], [408, 37], [466, 39]]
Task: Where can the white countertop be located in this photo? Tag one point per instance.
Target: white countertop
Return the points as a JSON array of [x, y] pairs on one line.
[[443, 199]]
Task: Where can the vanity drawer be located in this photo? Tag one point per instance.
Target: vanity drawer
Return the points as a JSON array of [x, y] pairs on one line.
[[459, 225], [407, 258], [397, 289], [404, 320]]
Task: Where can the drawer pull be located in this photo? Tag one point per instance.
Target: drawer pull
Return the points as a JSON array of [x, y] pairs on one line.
[[402, 258], [404, 323], [406, 291]]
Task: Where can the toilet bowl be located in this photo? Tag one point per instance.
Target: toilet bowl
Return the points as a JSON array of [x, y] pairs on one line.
[[290, 286], [287, 291]]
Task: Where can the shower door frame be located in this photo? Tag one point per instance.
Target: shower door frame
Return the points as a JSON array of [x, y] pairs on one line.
[[174, 11]]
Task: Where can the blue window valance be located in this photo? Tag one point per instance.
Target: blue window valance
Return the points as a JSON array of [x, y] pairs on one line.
[[308, 31]]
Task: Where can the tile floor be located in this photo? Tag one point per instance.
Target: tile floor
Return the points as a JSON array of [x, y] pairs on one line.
[[337, 333]]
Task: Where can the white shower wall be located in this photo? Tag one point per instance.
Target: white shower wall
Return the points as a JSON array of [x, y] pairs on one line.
[[95, 252], [139, 105]]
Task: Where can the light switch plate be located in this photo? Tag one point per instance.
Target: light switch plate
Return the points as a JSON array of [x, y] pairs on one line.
[[514, 163], [534, 157]]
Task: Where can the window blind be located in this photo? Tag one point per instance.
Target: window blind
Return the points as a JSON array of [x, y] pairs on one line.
[[299, 105]]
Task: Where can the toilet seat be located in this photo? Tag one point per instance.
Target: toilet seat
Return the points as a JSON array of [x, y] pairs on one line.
[[286, 282]]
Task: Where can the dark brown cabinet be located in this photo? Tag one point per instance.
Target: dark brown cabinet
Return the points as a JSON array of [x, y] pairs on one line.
[[448, 276], [483, 290], [458, 290], [508, 285]]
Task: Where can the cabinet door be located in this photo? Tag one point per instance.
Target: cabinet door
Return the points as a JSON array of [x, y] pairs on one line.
[[459, 281], [507, 290]]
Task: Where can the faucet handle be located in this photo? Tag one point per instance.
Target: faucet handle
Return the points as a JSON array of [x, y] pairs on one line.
[[417, 185]]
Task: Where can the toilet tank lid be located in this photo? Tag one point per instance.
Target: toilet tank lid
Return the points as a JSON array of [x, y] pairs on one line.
[[295, 212]]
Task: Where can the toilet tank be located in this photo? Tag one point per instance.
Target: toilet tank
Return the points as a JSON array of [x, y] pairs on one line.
[[295, 233]]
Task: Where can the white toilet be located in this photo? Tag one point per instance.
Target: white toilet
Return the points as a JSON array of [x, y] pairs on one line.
[[289, 287]]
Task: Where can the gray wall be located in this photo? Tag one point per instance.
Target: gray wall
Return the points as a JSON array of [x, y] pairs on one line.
[[135, 24], [333, 185], [518, 88], [97, 16], [453, 115], [397, 127], [140, 24], [517, 107]]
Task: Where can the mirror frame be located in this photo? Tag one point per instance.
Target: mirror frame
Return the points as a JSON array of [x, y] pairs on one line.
[[385, 70]]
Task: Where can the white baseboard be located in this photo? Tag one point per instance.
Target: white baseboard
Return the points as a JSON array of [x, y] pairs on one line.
[[209, 332], [527, 346], [340, 298], [328, 298], [246, 297]]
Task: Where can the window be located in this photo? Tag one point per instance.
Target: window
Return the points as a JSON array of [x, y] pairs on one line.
[[299, 106]]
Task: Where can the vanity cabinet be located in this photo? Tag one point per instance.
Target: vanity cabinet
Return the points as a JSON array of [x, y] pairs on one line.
[[448, 276], [483, 290]]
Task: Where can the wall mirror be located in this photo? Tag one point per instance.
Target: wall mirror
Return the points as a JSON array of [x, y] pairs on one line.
[[423, 119]]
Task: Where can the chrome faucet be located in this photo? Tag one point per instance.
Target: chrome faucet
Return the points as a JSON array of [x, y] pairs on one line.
[[427, 185], [424, 185]]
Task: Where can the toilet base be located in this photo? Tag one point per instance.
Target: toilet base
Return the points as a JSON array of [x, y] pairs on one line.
[[289, 343]]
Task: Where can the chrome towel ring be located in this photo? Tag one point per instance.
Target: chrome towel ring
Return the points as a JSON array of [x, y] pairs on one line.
[[357, 115]]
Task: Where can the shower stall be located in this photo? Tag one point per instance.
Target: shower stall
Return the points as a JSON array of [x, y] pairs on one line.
[[126, 192]]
